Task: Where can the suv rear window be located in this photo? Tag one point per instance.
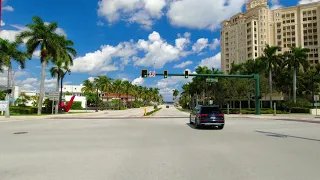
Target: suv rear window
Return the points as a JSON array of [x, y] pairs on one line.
[[210, 110]]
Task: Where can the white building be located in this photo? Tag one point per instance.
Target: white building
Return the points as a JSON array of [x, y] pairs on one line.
[[73, 89]]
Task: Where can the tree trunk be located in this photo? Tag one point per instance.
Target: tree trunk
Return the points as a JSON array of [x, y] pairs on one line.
[[294, 85], [43, 76], [270, 86], [9, 83], [240, 104], [57, 100]]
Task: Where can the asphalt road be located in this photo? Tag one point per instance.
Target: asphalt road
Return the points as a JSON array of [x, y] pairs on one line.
[[158, 148]]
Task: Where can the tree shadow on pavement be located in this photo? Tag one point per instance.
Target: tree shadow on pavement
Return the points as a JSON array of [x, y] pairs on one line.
[[203, 127], [285, 136]]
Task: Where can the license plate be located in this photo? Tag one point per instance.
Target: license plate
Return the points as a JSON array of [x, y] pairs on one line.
[[212, 118]]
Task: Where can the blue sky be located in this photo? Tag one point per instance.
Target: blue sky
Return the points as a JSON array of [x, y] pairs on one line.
[[118, 38]]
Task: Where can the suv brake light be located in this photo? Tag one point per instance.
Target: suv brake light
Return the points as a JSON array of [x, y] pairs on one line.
[[203, 115]]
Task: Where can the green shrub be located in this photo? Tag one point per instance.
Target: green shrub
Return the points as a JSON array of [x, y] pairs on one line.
[[151, 112], [300, 110], [76, 105], [23, 110]]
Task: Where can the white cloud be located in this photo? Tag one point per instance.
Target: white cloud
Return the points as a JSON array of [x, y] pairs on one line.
[[8, 8], [102, 60], [9, 34], [201, 44], [2, 23], [31, 84], [138, 81], [36, 55], [172, 82], [215, 43], [183, 64], [59, 31], [214, 61], [275, 4], [307, 1], [143, 12], [100, 23], [158, 51], [202, 14], [167, 94], [91, 79]]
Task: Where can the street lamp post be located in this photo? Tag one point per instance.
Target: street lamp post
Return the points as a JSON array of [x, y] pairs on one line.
[[60, 99]]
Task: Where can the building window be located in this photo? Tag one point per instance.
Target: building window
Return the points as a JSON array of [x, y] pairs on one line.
[[278, 14]]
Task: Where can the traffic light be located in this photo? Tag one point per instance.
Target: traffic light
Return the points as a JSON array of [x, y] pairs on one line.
[[186, 74], [144, 73], [165, 74], [9, 91]]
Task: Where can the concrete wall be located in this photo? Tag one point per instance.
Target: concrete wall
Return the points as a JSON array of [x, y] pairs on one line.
[[315, 111]]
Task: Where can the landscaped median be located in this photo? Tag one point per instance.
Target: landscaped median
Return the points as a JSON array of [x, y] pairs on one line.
[[152, 112]]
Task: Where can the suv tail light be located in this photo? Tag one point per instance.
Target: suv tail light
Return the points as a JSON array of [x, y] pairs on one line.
[[203, 115], [221, 115]]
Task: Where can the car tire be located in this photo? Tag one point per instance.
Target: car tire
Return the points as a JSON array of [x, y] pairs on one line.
[[196, 125], [190, 120], [221, 127]]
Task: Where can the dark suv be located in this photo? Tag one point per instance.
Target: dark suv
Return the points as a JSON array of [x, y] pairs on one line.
[[207, 116]]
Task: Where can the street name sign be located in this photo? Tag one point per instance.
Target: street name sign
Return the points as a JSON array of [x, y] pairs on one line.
[[211, 80], [54, 94]]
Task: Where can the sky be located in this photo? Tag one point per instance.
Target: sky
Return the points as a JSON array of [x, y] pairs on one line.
[[119, 38]]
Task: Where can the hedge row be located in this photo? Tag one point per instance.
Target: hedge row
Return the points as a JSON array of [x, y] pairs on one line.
[[151, 112], [23, 110], [266, 111]]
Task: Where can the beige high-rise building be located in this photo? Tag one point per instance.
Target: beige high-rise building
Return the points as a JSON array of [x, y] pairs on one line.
[[245, 35]]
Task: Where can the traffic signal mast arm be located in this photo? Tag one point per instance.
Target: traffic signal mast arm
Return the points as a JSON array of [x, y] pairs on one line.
[[212, 75]]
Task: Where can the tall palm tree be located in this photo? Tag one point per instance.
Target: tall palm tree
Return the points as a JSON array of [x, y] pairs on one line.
[[175, 94], [270, 58], [127, 88], [61, 66], [42, 35], [297, 58], [88, 87], [9, 52], [117, 89]]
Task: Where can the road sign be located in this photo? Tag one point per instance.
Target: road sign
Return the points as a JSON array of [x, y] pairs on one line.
[[3, 105], [54, 94], [211, 80], [316, 97], [152, 74]]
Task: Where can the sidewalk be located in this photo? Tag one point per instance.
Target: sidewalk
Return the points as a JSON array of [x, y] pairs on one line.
[[136, 112], [285, 117]]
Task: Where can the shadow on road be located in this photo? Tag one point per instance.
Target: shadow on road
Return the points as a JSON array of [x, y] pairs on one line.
[[203, 127], [285, 136]]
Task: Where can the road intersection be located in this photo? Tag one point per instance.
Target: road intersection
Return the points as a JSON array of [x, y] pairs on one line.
[[158, 148]]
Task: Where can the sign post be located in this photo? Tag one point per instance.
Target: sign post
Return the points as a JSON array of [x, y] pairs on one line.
[[53, 95]]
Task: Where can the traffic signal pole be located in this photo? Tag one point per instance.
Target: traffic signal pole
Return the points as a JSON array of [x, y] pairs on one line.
[[256, 78]]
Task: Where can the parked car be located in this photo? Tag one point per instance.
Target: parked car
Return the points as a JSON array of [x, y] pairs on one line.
[[167, 106], [207, 116]]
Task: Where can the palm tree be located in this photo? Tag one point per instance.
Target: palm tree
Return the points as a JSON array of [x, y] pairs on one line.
[[88, 87], [117, 89], [43, 36], [175, 94], [270, 58], [127, 86], [57, 71], [297, 57], [8, 52]]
